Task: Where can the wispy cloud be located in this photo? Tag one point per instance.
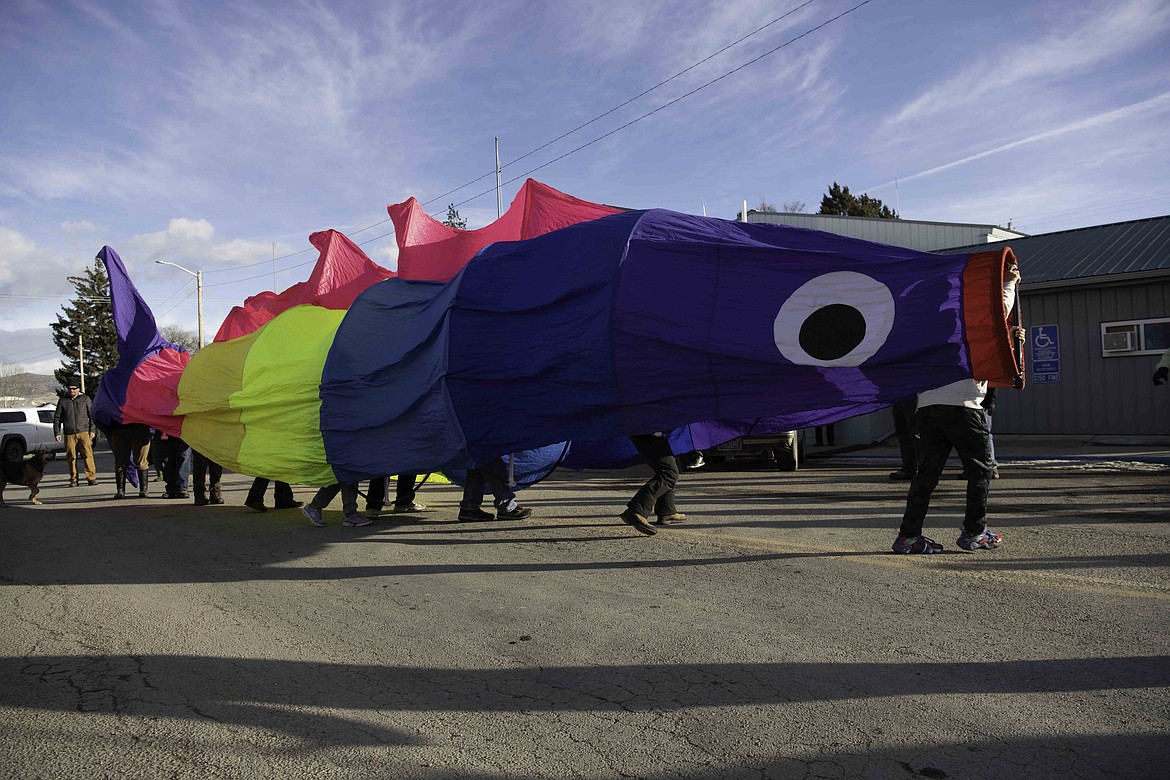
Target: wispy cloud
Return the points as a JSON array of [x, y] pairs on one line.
[[1153, 105], [1091, 36]]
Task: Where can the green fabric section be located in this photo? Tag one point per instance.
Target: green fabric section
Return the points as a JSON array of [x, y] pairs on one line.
[[211, 424], [279, 401]]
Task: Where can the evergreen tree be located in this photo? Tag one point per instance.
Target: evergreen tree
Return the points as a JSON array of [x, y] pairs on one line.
[[840, 202], [453, 219], [90, 316]]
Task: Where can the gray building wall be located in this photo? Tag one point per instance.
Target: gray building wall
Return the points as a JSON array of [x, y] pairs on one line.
[[1096, 394]]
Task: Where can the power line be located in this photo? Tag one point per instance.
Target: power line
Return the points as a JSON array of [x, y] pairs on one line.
[[672, 102], [575, 129], [626, 103]]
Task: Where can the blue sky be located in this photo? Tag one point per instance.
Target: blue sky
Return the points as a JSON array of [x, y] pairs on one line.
[[203, 133]]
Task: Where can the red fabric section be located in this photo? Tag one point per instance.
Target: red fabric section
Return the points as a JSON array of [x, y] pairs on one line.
[[988, 338], [428, 249], [341, 274], [152, 395]]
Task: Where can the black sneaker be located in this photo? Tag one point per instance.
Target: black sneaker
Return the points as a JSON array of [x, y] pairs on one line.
[[257, 505], [639, 522], [519, 513], [901, 475], [474, 515]]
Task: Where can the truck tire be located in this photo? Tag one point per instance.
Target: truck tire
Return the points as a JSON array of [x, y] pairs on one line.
[[13, 450]]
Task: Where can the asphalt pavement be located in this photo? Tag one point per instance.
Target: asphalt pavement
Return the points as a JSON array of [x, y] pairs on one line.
[[771, 635]]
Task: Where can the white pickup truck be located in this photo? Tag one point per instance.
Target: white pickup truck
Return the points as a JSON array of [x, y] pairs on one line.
[[26, 429]]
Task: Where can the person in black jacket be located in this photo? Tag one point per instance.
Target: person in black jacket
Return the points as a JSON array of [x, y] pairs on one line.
[[74, 420]]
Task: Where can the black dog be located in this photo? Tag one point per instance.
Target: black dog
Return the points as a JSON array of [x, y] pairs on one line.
[[25, 472]]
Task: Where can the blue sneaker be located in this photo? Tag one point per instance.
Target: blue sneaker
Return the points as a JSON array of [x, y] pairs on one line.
[[924, 545], [984, 540], [314, 515]]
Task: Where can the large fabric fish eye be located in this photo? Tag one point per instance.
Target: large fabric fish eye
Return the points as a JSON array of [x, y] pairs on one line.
[[837, 319]]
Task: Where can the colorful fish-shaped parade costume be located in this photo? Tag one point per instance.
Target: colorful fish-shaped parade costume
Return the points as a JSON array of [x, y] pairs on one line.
[[633, 322]]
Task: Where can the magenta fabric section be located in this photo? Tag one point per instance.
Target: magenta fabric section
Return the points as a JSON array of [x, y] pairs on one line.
[[341, 274], [152, 394], [430, 250]]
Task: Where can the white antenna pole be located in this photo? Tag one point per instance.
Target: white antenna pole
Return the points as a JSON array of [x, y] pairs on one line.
[[273, 266], [498, 203], [81, 361], [744, 212], [897, 192]]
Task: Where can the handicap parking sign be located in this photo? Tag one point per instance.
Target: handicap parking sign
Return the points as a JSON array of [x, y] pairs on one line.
[[1045, 342]]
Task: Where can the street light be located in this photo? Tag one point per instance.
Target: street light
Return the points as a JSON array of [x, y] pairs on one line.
[[198, 292]]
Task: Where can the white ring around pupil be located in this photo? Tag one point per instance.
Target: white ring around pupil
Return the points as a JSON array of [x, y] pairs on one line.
[[847, 288]]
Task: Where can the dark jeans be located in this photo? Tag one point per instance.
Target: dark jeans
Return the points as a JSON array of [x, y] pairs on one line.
[[657, 496], [282, 494], [173, 454], [403, 492], [490, 476], [904, 429], [349, 497], [941, 429], [200, 469]]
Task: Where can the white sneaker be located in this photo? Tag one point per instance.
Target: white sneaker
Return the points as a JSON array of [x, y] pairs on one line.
[[413, 506]]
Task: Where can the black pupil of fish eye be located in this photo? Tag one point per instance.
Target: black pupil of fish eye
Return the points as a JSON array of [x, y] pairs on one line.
[[832, 332]]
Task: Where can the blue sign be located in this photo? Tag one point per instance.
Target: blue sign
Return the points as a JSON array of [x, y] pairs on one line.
[[1045, 341]]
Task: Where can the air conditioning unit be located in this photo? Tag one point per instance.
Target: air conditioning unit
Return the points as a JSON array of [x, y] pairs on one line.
[[1120, 341]]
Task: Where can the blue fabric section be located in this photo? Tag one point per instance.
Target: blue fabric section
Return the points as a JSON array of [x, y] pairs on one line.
[[138, 339], [530, 358], [384, 402]]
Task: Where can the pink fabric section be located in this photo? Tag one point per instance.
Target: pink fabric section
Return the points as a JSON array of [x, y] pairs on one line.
[[428, 249], [341, 274], [152, 394]]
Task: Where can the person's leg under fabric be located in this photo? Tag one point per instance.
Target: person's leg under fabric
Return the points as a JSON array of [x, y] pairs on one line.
[[256, 492], [376, 495], [495, 474], [655, 450], [120, 445], [170, 466], [991, 446], [215, 473], [904, 431], [972, 442], [184, 457], [312, 510], [283, 496], [71, 454], [933, 448], [85, 441], [349, 502], [199, 477], [473, 489], [404, 492], [141, 448]]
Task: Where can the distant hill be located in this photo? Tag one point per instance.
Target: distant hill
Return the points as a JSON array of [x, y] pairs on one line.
[[28, 389]]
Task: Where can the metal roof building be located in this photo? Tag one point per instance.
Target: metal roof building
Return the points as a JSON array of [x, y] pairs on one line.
[[910, 233]]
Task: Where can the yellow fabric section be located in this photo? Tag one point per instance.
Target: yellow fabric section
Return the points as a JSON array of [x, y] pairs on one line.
[[267, 385], [211, 425]]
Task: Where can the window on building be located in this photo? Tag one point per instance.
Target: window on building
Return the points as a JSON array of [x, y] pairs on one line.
[[1135, 337]]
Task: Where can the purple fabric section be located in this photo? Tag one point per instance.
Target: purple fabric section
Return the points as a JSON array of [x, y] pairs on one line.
[[138, 339], [695, 335]]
